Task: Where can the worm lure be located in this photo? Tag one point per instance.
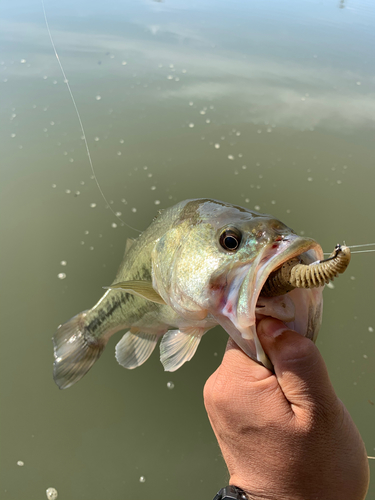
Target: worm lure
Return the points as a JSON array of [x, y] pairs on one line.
[[293, 274]]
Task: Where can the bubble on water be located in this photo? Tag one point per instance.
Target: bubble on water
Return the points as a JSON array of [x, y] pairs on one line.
[[122, 141], [118, 214], [91, 248], [153, 188], [71, 160], [176, 79], [169, 77], [54, 185], [124, 63], [191, 103], [114, 225], [20, 463], [184, 71], [92, 205], [244, 167], [217, 145], [77, 193], [259, 131], [208, 121], [142, 479], [157, 202], [269, 129], [202, 112], [45, 77], [352, 278], [257, 207], [124, 201], [370, 329], [310, 179], [330, 285], [149, 175], [86, 232], [247, 200], [67, 191], [63, 263], [273, 202], [13, 136], [96, 139], [191, 125], [365, 356], [98, 97], [52, 123], [230, 157], [51, 493], [119, 153], [134, 209], [61, 276], [359, 83], [339, 182], [170, 385]]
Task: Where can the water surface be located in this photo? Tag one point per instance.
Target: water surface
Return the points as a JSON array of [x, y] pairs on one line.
[[269, 105]]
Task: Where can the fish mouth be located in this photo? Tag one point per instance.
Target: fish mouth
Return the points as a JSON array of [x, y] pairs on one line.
[[299, 309]]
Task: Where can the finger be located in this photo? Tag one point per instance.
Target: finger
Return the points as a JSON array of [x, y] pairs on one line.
[[236, 382], [235, 362], [299, 366]]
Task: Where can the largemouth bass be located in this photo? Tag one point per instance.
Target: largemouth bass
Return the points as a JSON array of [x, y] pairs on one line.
[[201, 263]]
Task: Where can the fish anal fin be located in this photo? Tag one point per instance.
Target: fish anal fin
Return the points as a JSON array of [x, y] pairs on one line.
[[179, 346], [135, 348], [143, 289], [74, 351]]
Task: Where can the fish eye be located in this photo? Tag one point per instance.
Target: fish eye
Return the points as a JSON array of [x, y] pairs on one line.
[[230, 239]]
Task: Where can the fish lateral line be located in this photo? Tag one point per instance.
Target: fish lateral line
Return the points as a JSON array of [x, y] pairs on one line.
[[66, 81]]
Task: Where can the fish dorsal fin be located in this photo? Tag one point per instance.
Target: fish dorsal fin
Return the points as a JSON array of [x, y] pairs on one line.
[[143, 289], [129, 243], [135, 348], [177, 347]]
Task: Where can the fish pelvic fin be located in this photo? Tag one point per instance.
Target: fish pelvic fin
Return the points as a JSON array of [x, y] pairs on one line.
[[135, 348], [75, 351], [177, 347]]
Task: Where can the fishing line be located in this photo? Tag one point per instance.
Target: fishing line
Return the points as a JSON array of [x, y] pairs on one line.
[[358, 246], [365, 245], [81, 125]]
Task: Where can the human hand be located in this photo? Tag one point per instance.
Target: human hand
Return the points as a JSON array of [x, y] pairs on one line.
[[285, 436]]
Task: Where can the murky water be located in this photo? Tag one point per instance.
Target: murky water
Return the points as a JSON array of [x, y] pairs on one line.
[[264, 104]]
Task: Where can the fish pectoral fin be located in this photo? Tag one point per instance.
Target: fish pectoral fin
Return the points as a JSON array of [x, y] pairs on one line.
[[143, 289], [135, 348], [177, 347]]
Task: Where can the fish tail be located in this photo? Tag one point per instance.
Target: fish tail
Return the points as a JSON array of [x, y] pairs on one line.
[[75, 351]]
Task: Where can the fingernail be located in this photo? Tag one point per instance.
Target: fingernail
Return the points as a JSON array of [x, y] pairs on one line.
[[271, 327]]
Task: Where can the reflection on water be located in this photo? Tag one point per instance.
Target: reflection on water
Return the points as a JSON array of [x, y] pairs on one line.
[[271, 107]]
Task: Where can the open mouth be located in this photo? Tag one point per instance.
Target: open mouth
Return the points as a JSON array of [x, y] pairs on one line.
[[245, 304], [287, 305]]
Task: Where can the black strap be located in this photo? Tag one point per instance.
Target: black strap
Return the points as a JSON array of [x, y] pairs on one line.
[[230, 493]]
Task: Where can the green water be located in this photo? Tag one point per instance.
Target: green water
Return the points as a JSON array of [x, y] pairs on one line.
[[262, 104]]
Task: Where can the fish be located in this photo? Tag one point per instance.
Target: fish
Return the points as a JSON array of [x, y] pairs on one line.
[[200, 263]]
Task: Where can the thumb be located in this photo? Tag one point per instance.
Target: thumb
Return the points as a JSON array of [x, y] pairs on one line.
[[299, 366]]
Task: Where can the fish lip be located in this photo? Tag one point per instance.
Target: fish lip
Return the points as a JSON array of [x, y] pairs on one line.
[[270, 262]]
